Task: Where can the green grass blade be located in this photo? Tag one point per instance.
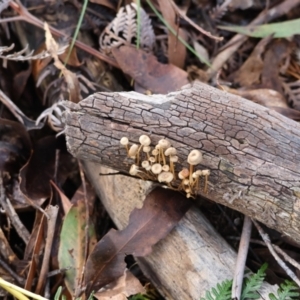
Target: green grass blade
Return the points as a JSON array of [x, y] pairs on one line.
[[82, 13], [191, 49]]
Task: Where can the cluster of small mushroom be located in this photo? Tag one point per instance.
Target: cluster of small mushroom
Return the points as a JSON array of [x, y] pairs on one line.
[[159, 164]]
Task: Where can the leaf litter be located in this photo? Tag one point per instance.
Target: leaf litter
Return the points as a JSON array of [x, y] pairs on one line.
[[35, 163]]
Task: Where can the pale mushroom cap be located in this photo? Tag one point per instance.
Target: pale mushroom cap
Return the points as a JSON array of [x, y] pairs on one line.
[[156, 168], [170, 151], [174, 158], [133, 150], [152, 159], [164, 143], [197, 174], [145, 140], [165, 177], [205, 172], [133, 170], [184, 173], [124, 141], [145, 164], [195, 157], [186, 182], [146, 149], [165, 168], [154, 152]]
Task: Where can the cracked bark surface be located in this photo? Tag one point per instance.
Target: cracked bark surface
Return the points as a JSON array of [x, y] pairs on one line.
[[251, 151]]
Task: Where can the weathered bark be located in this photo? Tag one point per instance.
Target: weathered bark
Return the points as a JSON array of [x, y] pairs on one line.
[[251, 151], [180, 265]]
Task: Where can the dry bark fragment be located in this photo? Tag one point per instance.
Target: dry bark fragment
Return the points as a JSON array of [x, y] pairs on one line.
[[251, 151]]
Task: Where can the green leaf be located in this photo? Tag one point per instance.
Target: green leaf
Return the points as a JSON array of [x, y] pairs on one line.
[[222, 292], [71, 254], [253, 283], [279, 30], [287, 291]]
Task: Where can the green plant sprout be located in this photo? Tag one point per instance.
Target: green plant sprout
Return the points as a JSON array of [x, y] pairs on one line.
[[287, 290]]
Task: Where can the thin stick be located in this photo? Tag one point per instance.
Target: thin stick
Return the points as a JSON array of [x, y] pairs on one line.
[[241, 259], [12, 215], [282, 264], [51, 222]]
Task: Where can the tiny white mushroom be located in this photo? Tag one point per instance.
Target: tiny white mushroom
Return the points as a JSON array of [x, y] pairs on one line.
[[164, 143], [156, 168], [152, 159], [205, 173], [145, 164], [170, 151], [184, 173], [133, 150], [146, 149], [186, 182], [124, 141], [165, 177], [173, 158], [154, 152], [134, 169], [197, 174], [145, 140], [165, 168], [194, 158]]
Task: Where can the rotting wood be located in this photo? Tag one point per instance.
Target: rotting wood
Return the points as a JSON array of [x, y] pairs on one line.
[[180, 265], [251, 151]]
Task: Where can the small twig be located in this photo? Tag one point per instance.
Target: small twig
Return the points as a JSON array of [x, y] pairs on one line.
[[86, 241], [13, 274], [12, 215], [51, 222], [192, 23], [241, 259], [267, 241]]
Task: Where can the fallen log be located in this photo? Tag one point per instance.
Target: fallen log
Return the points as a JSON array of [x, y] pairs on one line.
[[251, 151]]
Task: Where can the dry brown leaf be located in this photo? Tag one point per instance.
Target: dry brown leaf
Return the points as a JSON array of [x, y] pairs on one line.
[[40, 169], [250, 72], [121, 288], [277, 54], [176, 50], [162, 210], [148, 72], [70, 77]]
